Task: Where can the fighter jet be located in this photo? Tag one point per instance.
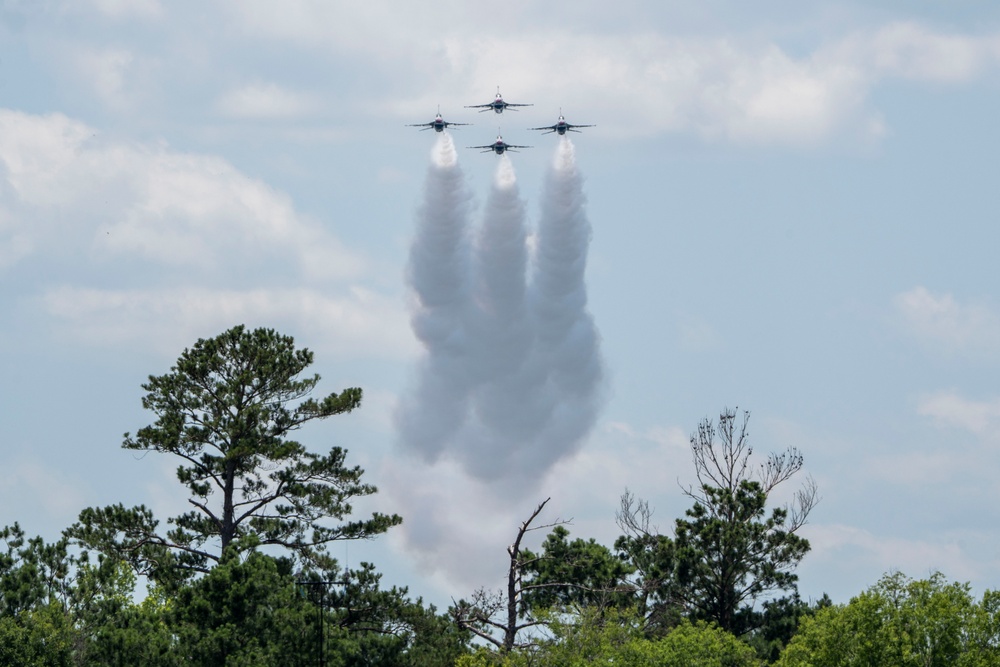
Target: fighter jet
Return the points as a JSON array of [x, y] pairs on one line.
[[499, 146], [561, 126], [498, 105], [439, 123]]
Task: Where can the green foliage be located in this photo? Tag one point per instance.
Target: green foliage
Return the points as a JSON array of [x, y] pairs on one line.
[[729, 551], [62, 608], [902, 622], [241, 613], [257, 613], [40, 637], [226, 410], [578, 573], [32, 572], [615, 637], [778, 622], [653, 559]]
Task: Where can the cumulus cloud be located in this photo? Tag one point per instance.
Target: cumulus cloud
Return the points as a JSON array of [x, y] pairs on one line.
[[944, 322], [744, 90], [913, 51], [951, 410], [148, 202], [91, 208]]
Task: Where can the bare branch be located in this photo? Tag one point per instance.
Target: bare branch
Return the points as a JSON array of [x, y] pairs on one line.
[[806, 499], [634, 516]]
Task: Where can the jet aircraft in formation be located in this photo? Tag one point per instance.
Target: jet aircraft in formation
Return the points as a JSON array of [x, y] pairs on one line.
[[499, 146], [498, 105], [561, 126], [439, 123]]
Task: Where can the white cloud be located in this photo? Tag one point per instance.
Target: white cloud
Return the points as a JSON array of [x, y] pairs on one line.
[[644, 83], [949, 409], [358, 322], [913, 51], [265, 101], [954, 327], [457, 527], [89, 206], [718, 88], [70, 188], [839, 546]]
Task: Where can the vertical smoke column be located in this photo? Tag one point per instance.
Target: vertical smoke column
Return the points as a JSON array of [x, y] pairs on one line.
[[438, 272], [567, 341], [502, 334]]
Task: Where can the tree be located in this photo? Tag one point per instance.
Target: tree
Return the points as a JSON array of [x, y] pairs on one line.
[[903, 622], [579, 573], [226, 410], [489, 612], [615, 637], [652, 558], [42, 637], [730, 552], [33, 573], [778, 622], [55, 606], [727, 552]]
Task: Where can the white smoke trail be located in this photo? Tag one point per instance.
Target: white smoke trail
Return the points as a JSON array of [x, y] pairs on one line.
[[512, 377], [438, 272], [567, 342], [503, 338]]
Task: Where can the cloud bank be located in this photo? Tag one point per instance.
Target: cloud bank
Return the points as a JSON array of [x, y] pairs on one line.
[[207, 246]]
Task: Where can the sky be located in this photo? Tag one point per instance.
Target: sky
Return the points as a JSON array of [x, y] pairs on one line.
[[787, 208]]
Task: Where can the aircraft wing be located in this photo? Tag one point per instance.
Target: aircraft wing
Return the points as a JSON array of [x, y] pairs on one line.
[[479, 106], [519, 105], [570, 127], [490, 147], [550, 128], [509, 146], [431, 124]]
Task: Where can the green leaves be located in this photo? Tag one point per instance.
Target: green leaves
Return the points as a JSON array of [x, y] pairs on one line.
[[904, 622], [615, 637], [581, 572], [226, 410], [729, 552]]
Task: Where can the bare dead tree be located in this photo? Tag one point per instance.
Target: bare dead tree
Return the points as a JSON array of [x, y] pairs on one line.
[[721, 455], [729, 550], [651, 555], [494, 615], [634, 516]]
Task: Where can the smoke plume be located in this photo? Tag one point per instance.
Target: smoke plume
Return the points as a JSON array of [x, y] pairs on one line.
[[511, 378], [439, 274]]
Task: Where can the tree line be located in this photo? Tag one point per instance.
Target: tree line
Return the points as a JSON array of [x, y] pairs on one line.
[[244, 576]]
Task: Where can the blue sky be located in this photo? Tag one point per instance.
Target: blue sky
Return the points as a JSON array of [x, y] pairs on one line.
[[793, 211]]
